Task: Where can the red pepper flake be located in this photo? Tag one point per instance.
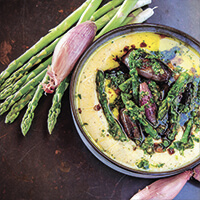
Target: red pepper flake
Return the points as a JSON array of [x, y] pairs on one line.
[[97, 107], [158, 148], [116, 59], [134, 148], [79, 110], [170, 151], [143, 44], [126, 49], [133, 46]]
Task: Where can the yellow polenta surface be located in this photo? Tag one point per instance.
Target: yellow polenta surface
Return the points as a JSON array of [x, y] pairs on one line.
[[95, 122]]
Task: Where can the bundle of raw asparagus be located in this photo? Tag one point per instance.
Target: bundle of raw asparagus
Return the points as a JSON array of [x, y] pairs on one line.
[[20, 81]]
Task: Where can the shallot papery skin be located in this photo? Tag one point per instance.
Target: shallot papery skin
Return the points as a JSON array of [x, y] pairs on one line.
[[164, 189], [196, 174], [67, 52]]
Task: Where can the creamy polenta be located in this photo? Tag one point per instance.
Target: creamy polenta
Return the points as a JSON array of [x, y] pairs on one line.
[[92, 117]]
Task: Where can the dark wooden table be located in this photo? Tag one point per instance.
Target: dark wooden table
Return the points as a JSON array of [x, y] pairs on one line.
[[60, 166]]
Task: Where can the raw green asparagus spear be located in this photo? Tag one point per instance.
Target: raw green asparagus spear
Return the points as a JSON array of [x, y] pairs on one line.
[[25, 79], [18, 106], [119, 17], [44, 41], [114, 128], [101, 22], [29, 115], [33, 61], [56, 104], [89, 11], [137, 114], [5, 106], [12, 79], [178, 86], [104, 9]]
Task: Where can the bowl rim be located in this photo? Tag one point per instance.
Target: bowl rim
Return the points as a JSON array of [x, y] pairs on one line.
[[166, 30]]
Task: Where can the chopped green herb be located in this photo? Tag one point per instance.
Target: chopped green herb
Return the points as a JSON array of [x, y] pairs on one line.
[[159, 165], [143, 163], [148, 145]]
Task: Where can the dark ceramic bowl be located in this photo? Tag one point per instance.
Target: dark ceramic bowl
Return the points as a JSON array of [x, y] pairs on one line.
[[160, 29]]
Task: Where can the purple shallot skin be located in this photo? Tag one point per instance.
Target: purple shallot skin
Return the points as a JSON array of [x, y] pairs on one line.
[[146, 100], [67, 52], [130, 127], [166, 188]]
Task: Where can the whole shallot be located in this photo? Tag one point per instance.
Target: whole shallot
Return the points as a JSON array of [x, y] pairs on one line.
[[68, 51], [164, 189]]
